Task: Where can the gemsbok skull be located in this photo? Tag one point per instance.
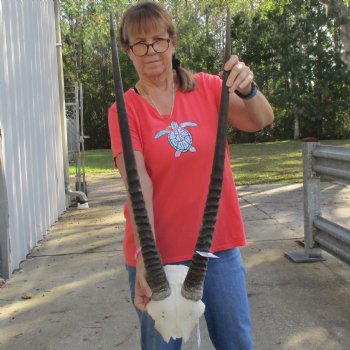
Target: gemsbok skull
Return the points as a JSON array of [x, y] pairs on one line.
[[176, 305]]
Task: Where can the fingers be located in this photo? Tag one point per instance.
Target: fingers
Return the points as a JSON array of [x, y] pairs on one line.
[[233, 60], [142, 296], [247, 83], [144, 288], [143, 292], [240, 77]]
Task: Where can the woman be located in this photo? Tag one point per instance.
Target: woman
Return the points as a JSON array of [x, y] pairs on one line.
[[173, 120]]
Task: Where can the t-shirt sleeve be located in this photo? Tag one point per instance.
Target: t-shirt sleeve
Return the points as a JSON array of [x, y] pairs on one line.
[[114, 132]]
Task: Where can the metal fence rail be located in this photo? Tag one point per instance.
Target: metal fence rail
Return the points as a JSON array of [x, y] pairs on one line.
[[320, 233], [75, 133]]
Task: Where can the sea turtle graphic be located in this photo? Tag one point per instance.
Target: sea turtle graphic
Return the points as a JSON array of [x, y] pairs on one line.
[[178, 137]]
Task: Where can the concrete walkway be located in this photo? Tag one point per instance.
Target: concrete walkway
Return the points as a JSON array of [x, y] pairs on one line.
[[72, 293]]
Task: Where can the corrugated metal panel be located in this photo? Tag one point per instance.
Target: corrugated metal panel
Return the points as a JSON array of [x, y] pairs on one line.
[[30, 118]]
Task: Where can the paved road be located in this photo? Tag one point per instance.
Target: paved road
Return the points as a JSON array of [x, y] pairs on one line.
[[77, 290]]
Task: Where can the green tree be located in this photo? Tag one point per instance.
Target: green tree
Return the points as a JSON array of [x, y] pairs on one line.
[[342, 9], [298, 68], [294, 48], [87, 59]]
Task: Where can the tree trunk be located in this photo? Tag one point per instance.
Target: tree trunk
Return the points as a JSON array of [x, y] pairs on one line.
[[296, 127], [343, 13]]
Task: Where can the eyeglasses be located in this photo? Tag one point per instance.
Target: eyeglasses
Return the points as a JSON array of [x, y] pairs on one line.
[[141, 49]]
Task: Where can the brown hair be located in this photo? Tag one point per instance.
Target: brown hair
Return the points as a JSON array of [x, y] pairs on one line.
[[148, 16]]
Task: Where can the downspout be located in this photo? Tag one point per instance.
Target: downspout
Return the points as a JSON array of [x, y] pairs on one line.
[[82, 198], [5, 264]]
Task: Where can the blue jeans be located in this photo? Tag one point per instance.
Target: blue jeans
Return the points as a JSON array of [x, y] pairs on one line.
[[226, 307]]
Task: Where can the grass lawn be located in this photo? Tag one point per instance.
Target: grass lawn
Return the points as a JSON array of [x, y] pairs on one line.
[[97, 161], [253, 163], [270, 162]]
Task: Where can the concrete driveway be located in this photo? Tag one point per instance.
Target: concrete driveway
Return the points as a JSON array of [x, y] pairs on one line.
[[72, 293]]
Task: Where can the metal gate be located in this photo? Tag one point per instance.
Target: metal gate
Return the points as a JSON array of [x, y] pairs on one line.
[[75, 133], [319, 233]]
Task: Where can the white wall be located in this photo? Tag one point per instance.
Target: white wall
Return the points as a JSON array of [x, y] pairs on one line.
[[30, 119]]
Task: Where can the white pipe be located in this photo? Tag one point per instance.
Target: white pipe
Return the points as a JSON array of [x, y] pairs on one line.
[[5, 263]]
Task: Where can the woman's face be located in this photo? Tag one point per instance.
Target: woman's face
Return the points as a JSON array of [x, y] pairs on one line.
[[154, 64]]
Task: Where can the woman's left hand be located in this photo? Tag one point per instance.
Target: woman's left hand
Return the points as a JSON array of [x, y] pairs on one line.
[[240, 77]]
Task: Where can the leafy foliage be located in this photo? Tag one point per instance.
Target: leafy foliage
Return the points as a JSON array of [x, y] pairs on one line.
[[293, 47], [295, 52]]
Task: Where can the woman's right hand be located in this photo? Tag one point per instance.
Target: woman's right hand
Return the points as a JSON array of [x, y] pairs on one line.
[[143, 292]]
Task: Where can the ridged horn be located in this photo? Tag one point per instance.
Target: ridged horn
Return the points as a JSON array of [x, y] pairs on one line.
[[155, 274], [193, 285]]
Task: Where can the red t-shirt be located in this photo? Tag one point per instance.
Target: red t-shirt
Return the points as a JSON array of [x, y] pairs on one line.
[[179, 163]]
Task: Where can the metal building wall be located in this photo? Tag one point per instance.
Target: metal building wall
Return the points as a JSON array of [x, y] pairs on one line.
[[30, 121]]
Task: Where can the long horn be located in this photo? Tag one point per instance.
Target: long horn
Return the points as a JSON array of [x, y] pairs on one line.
[[155, 274], [193, 285]]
